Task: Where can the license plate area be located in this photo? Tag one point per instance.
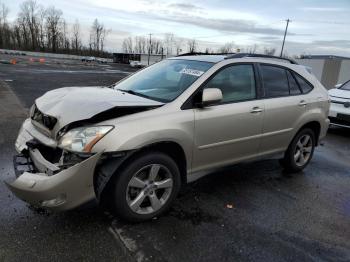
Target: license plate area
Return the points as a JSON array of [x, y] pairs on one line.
[[343, 117]]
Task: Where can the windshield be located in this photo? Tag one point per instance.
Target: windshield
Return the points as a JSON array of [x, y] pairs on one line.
[[346, 86], [164, 81]]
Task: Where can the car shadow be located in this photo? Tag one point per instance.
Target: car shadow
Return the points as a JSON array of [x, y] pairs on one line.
[[339, 131]]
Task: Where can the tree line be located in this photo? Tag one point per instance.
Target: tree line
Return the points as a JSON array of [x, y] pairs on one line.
[[172, 45], [169, 45], [43, 29]]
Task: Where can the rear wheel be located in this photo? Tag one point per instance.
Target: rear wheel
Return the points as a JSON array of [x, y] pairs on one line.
[[145, 187], [300, 151]]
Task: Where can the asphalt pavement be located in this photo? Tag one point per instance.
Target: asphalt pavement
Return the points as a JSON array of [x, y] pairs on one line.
[[249, 212]]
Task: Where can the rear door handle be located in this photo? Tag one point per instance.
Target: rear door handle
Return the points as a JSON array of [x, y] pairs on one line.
[[302, 103], [256, 110]]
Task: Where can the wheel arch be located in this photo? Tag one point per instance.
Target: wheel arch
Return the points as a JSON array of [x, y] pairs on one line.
[[314, 126], [170, 148]]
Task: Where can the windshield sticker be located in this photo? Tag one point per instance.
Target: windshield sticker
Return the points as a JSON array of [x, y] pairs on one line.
[[191, 72]]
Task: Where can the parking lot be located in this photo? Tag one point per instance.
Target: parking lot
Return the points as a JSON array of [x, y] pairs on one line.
[[249, 212]]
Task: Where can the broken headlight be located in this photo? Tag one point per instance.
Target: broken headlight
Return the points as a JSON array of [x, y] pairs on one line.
[[82, 139]]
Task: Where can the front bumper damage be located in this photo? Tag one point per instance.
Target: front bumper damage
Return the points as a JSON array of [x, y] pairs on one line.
[[49, 185]]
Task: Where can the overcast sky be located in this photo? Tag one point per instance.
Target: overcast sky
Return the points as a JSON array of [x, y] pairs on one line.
[[317, 27]]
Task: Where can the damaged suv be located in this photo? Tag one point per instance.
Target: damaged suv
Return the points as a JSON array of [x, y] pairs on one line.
[[133, 145]]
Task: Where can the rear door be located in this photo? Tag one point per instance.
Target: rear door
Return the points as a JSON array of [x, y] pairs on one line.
[[230, 131], [284, 106]]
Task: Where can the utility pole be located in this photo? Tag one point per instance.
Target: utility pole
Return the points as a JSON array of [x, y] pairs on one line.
[[150, 46], [284, 38]]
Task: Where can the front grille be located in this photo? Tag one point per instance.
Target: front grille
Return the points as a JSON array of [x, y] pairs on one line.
[[52, 155], [45, 120]]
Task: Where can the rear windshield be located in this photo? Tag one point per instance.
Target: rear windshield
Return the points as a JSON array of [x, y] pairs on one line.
[[164, 81]]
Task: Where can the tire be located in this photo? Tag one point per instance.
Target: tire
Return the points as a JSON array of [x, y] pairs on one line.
[[304, 143], [145, 187]]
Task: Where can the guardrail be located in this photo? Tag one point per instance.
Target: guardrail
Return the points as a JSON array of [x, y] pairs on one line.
[[47, 55]]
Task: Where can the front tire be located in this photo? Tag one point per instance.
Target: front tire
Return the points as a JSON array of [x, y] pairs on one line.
[[145, 187], [300, 151]]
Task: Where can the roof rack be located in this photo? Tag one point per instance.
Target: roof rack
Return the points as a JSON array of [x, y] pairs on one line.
[[200, 53], [241, 55]]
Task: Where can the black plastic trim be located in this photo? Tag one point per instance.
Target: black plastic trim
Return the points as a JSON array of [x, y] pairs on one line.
[[242, 55]]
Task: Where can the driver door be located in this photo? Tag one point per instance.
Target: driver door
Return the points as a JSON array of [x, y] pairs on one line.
[[231, 130]]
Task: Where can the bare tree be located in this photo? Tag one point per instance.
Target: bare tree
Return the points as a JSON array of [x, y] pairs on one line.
[[128, 45], [64, 41], [104, 34], [23, 36], [192, 45], [53, 27], [96, 33], [76, 38], [227, 48], [169, 43], [29, 11], [252, 49], [178, 45], [140, 44], [4, 29], [269, 51], [40, 28], [157, 46]]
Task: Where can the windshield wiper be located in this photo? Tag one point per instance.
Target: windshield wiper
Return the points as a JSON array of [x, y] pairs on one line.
[[135, 93], [143, 95], [130, 92]]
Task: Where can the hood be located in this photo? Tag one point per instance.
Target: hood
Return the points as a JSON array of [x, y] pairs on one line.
[[71, 104], [345, 94]]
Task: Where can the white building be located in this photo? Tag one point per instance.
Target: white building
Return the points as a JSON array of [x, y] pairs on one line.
[[329, 70], [145, 59]]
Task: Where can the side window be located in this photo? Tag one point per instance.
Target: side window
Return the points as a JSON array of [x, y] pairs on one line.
[[293, 85], [237, 83], [275, 81], [305, 86]]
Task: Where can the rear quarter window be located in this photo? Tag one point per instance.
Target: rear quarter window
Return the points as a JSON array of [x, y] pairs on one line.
[[304, 85], [293, 85]]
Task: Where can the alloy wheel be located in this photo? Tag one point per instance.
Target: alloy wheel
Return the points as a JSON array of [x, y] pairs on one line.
[[303, 150], [149, 189]]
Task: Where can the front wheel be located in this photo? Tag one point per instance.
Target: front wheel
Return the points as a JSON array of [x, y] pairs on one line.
[[145, 187], [300, 151]]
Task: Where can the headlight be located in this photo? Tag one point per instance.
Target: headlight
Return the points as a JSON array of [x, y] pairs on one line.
[[82, 139]]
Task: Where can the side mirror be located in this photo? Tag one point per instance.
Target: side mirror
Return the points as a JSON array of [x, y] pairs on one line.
[[211, 96]]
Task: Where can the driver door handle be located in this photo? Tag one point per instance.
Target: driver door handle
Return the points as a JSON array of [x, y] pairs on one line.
[[302, 103], [256, 109]]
